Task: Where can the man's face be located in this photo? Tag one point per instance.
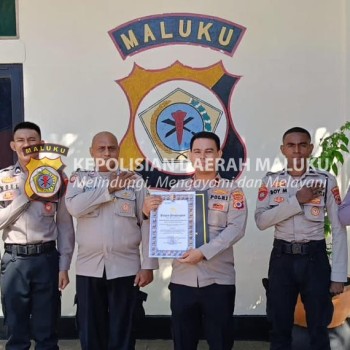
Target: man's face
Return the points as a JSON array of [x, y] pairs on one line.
[[204, 155], [105, 151], [297, 148], [24, 138]]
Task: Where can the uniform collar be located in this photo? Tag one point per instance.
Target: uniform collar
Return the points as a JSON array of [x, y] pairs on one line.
[[17, 169], [309, 172], [208, 183]]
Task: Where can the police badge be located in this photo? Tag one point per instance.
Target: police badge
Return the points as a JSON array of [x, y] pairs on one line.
[[45, 175]]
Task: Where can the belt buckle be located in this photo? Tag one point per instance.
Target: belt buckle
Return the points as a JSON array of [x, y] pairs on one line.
[[33, 249], [296, 248], [22, 250]]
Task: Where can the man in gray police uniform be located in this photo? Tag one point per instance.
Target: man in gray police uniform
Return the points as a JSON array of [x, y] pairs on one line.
[[294, 201], [108, 204], [344, 209], [32, 270], [202, 288]]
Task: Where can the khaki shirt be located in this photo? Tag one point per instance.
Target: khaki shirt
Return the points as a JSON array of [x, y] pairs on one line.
[[110, 227], [227, 218], [344, 209], [27, 221], [278, 206]]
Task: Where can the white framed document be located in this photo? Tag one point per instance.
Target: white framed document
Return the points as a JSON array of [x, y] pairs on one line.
[[173, 225]]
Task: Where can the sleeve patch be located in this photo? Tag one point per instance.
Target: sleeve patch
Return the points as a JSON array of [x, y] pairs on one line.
[[73, 178], [263, 192], [336, 195], [238, 199]]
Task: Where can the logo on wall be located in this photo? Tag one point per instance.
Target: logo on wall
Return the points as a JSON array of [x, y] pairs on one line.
[[45, 175], [169, 105]]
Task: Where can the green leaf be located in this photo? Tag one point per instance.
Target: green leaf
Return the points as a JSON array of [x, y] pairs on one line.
[[344, 139], [344, 148], [323, 164], [339, 156], [335, 169]]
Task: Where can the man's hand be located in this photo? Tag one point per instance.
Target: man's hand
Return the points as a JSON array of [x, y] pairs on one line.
[[193, 256], [336, 288], [308, 193], [143, 277], [63, 280], [121, 181], [151, 203]]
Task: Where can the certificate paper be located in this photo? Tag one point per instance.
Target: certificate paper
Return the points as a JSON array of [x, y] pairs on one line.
[[172, 230]]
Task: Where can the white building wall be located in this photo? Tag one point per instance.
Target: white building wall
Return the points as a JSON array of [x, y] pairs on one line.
[[293, 60]]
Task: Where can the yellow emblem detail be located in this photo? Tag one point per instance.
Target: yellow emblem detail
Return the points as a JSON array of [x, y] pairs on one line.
[[44, 179], [8, 180]]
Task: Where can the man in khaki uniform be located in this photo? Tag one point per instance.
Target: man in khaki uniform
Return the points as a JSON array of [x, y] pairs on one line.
[[294, 201], [108, 204], [32, 270], [202, 287]]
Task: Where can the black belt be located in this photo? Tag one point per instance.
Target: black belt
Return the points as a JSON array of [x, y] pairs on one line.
[[297, 248], [30, 249]]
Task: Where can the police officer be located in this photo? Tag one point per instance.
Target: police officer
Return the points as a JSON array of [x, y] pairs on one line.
[[344, 209], [107, 203], [202, 288], [294, 201], [32, 270]]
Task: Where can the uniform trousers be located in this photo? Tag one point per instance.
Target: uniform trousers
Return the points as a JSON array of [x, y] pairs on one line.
[[105, 311], [309, 275], [30, 299], [209, 308]]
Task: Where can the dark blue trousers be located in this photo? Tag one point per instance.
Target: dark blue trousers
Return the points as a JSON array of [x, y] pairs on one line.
[[210, 308], [105, 311], [309, 275], [30, 300]]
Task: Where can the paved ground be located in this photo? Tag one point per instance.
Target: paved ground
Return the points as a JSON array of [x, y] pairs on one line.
[[159, 345], [340, 340]]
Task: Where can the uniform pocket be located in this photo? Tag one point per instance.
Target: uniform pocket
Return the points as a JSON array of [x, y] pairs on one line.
[[217, 213], [6, 259], [314, 212], [49, 209], [125, 207], [92, 214], [276, 199]]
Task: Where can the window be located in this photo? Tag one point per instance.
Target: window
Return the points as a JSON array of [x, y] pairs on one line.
[[8, 26], [11, 108]]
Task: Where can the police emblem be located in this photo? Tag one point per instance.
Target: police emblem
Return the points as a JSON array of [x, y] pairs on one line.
[[44, 178], [45, 175], [168, 106], [167, 109]]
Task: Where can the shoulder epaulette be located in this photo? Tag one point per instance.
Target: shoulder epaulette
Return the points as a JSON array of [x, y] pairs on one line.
[[319, 172], [81, 171], [9, 168], [137, 174], [270, 173]]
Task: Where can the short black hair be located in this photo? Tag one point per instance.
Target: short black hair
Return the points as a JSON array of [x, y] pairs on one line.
[[296, 129], [205, 135], [27, 125]]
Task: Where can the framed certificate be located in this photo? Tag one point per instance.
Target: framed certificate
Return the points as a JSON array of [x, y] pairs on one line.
[[173, 225], [202, 228]]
